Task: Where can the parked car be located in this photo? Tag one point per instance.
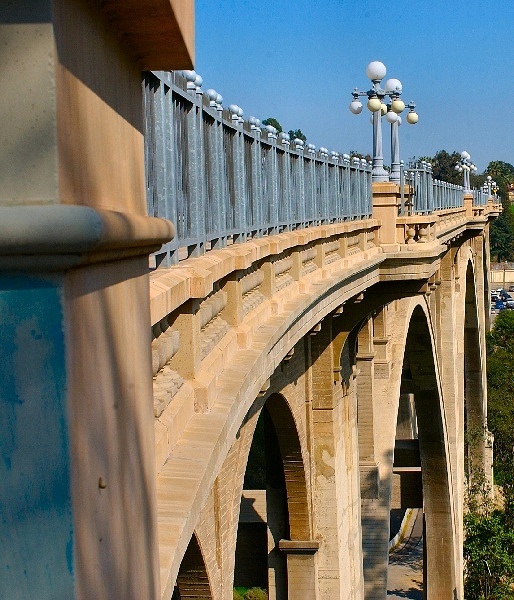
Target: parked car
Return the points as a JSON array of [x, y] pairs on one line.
[[511, 288], [509, 304], [499, 305]]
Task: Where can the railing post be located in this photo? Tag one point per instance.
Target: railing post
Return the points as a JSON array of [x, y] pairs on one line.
[[196, 165], [271, 182], [468, 203], [256, 169], [241, 224], [385, 209], [310, 186], [284, 202], [298, 189], [217, 219]]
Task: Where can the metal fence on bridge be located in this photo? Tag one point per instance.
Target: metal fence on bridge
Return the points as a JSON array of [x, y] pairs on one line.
[[429, 195], [224, 180]]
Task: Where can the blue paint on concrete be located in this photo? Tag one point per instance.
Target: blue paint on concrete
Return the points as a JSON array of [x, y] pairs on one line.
[[36, 537]]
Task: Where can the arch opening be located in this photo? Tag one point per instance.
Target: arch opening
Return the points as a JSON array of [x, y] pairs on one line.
[[274, 507], [192, 580]]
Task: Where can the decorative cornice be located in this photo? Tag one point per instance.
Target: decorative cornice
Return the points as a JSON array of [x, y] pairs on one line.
[[59, 236]]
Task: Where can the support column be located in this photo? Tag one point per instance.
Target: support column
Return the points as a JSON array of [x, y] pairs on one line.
[[337, 511], [302, 572], [77, 448]]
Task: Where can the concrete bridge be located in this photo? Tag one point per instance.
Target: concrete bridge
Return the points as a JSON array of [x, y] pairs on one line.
[[316, 340]]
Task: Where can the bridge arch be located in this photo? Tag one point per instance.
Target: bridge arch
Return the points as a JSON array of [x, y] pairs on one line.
[[419, 360], [414, 371], [192, 580], [275, 522]]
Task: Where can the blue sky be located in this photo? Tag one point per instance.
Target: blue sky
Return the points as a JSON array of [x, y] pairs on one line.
[[298, 61]]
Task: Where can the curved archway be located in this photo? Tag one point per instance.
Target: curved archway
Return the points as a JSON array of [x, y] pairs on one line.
[[192, 581], [275, 517], [474, 384], [440, 578]]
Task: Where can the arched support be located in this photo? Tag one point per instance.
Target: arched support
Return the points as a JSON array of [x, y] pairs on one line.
[[441, 579], [192, 581]]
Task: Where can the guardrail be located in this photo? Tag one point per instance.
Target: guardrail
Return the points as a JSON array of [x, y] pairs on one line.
[[429, 194], [223, 180]]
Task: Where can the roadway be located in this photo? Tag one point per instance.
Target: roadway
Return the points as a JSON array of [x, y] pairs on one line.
[[405, 572]]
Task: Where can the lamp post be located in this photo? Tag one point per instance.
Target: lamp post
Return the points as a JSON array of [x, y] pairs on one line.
[[376, 71], [465, 166], [490, 186]]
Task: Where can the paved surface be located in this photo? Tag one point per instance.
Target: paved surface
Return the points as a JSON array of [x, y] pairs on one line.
[[405, 573]]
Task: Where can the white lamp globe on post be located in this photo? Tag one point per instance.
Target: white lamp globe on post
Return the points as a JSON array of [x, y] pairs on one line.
[[394, 88], [376, 71], [466, 167]]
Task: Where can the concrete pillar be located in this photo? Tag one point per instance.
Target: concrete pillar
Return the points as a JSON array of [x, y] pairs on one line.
[[385, 209], [78, 447], [302, 572]]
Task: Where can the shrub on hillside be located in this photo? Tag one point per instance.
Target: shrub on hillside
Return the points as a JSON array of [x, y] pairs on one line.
[[256, 594]]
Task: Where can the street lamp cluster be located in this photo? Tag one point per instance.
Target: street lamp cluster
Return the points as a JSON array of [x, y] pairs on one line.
[[466, 167], [376, 71], [490, 187]]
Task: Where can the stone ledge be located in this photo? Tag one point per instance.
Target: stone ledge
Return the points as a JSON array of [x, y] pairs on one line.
[[60, 236], [299, 546]]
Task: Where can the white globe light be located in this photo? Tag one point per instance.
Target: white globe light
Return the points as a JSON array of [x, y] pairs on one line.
[[465, 155], [374, 104], [392, 117], [412, 118], [211, 94], [356, 107], [383, 109], [376, 70], [398, 105], [393, 85]]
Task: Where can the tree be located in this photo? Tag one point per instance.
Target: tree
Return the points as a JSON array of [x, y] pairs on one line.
[[503, 174], [297, 133], [274, 123], [502, 229], [355, 154], [488, 555], [443, 166]]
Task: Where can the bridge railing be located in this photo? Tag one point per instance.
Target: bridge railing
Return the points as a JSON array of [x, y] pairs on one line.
[[429, 194], [223, 180]]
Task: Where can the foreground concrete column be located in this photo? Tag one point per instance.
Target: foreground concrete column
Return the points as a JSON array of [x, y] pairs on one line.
[[78, 504]]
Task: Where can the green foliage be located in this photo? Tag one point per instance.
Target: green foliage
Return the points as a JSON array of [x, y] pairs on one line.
[[256, 594], [236, 595], [489, 534], [354, 153], [500, 392], [297, 133], [502, 228], [503, 174], [274, 123], [489, 556], [443, 166], [502, 236], [501, 337]]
